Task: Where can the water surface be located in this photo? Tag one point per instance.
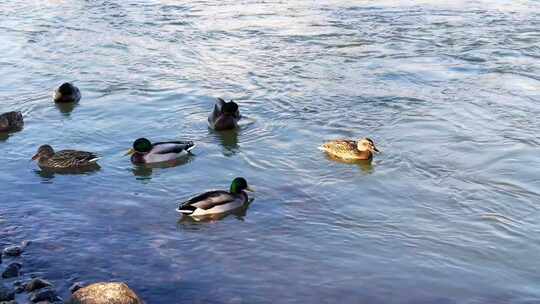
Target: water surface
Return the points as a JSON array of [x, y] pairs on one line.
[[448, 213]]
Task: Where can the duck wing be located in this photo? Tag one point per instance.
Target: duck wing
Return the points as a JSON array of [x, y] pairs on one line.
[[206, 201], [340, 146], [72, 158], [172, 147]]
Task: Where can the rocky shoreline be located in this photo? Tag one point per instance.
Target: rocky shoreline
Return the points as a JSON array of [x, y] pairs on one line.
[[14, 286]]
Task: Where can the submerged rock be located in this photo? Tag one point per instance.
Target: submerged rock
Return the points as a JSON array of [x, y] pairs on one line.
[[44, 294], [36, 284], [105, 293], [6, 294], [13, 251], [12, 270]]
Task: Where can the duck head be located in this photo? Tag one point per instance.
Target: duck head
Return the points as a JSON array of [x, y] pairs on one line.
[[66, 93], [140, 146], [238, 185], [366, 144], [44, 152]]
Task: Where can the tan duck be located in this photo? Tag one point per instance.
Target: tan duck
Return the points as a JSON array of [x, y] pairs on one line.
[[65, 159], [11, 121], [350, 149]]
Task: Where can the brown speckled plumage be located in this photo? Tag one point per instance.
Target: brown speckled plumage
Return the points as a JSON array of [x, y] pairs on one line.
[[65, 159], [11, 121], [350, 149]]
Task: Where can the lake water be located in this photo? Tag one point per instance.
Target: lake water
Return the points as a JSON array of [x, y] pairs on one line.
[[448, 213]]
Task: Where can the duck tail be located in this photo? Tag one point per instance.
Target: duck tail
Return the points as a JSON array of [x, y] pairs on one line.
[[95, 159], [191, 146]]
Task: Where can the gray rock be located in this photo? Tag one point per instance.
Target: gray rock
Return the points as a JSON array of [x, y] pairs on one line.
[[6, 294], [36, 284], [105, 293], [44, 294], [13, 251], [12, 270]]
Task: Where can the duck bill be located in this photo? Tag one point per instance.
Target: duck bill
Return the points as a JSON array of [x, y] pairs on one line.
[[376, 150], [130, 152], [248, 189], [57, 95], [35, 157]]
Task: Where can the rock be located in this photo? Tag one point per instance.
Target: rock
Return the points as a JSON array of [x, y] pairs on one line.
[[9, 302], [44, 294], [13, 251], [6, 294], [12, 270], [105, 293], [19, 286], [36, 284], [76, 286]]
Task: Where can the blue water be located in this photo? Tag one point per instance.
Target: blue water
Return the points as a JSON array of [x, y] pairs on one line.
[[448, 213]]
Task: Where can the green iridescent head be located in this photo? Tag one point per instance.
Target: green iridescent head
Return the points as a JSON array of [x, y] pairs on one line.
[[142, 145], [238, 185]]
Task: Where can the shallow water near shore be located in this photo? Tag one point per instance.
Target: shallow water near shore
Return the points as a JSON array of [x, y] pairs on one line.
[[448, 213]]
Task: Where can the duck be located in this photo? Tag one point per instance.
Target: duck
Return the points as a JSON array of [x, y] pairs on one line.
[[217, 201], [225, 115], [146, 152], [11, 121], [67, 93], [362, 149], [47, 158]]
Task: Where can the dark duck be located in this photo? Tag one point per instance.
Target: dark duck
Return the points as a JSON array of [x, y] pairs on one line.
[[225, 115], [67, 93]]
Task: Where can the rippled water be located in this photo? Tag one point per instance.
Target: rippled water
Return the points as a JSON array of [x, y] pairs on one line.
[[448, 213]]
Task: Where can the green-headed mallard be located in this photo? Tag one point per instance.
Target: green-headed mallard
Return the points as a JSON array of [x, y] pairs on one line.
[[350, 149], [65, 159], [144, 152], [11, 121], [67, 93], [225, 115], [218, 201]]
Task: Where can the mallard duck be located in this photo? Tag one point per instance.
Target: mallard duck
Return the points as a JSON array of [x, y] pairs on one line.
[[225, 115], [218, 201], [144, 152], [65, 159], [350, 149], [11, 121], [67, 93]]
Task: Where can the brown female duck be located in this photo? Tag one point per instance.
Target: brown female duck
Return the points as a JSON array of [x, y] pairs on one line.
[[350, 150], [65, 159], [11, 121]]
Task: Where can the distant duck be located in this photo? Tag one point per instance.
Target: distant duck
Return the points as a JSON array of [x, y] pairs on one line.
[[11, 121], [144, 152], [350, 150], [225, 115], [218, 201], [65, 159], [67, 93]]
